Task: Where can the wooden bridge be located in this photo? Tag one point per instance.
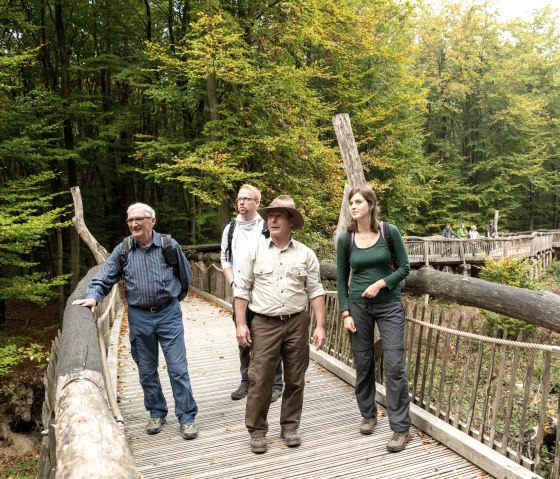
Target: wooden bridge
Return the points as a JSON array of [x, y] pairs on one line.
[[474, 397]]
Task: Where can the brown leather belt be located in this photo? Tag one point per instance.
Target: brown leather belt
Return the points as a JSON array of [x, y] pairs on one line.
[[282, 317]]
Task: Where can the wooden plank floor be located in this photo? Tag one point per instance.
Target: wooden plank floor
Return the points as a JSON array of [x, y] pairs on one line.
[[332, 446]]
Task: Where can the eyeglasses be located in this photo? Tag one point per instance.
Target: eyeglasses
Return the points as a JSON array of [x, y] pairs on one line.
[[244, 199], [138, 219]]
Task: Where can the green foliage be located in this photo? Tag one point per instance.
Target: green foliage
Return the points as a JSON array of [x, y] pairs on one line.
[[26, 216], [25, 469], [512, 272], [554, 271], [14, 351]]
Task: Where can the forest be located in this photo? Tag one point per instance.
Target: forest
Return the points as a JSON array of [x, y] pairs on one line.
[[177, 103]]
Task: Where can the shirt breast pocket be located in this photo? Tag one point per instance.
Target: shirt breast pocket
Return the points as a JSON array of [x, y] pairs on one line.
[[262, 269], [298, 272]]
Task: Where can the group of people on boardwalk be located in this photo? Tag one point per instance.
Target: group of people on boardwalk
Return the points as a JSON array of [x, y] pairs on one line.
[[468, 233], [274, 278]]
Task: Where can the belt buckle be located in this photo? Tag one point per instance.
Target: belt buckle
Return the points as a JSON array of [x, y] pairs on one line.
[[153, 309], [284, 317]]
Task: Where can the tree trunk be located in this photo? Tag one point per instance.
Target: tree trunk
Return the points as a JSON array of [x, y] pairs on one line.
[[352, 164]]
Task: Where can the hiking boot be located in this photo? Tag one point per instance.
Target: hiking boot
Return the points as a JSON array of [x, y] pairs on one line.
[[292, 438], [258, 444], [276, 393], [154, 425], [240, 392], [398, 442], [189, 430], [368, 425]]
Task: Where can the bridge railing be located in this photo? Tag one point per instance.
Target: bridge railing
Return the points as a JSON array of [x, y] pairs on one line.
[[504, 394], [436, 250], [83, 434]]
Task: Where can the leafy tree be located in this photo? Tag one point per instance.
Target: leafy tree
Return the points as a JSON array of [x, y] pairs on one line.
[[26, 217]]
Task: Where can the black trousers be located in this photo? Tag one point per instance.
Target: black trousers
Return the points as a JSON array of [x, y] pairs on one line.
[[390, 322]]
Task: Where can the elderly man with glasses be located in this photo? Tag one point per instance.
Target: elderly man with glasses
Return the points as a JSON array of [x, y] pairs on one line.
[[248, 229], [153, 290]]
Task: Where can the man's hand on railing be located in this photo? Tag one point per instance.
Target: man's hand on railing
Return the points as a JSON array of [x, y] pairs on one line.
[[86, 302]]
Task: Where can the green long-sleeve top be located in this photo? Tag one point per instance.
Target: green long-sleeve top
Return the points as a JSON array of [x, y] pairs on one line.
[[368, 266]]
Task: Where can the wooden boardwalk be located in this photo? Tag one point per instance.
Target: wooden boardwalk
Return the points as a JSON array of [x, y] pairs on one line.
[[332, 446]]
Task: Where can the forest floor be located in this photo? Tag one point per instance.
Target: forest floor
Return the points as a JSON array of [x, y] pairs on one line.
[[21, 385]]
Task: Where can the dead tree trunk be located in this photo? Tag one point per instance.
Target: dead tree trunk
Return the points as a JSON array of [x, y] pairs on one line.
[[100, 253], [352, 164]]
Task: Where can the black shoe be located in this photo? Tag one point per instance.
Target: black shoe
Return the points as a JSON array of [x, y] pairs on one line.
[[276, 393], [154, 425], [240, 392]]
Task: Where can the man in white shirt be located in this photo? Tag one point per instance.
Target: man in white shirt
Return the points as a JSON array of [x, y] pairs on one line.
[[248, 229], [277, 279]]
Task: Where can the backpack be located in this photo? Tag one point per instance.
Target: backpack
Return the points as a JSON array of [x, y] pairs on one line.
[[168, 251], [385, 233], [227, 252]]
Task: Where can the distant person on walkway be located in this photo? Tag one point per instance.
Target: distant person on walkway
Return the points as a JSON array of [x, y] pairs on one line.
[[448, 232], [473, 233], [462, 232], [374, 296], [153, 290], [248, 229], [277, 279], [491, 230]]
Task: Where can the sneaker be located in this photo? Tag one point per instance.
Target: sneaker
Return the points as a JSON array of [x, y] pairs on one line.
[[368, 425], [189, 430], [154, 425], [276, 393], [398, 442], [259, 444], [292, 438], [240, 392]]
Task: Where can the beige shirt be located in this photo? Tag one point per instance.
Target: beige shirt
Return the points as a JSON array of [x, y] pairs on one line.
[[275, 281]]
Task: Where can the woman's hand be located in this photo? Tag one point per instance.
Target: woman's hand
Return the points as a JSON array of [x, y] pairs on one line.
[[349, 324], [373, 289]]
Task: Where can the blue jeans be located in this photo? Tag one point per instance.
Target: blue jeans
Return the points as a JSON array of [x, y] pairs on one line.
[[166, 328]]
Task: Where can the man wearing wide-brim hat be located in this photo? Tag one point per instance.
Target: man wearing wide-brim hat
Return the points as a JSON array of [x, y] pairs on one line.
[[277, 279]]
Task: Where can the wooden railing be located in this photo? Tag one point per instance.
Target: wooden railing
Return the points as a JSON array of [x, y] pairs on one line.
[[436, 250], [83, 434], [506, 395]]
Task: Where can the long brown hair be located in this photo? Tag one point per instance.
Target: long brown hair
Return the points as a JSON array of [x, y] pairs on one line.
[[371, 198]]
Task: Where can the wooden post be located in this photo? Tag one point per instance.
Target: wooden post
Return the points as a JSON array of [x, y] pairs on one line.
[[352, 164], [496, 215]]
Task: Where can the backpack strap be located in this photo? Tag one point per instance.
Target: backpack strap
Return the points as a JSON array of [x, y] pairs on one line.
[[229, 241], [125, 250], [169, 252], [386, 233]]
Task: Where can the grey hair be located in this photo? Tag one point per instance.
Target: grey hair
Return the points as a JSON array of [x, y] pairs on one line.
[[147, 208]]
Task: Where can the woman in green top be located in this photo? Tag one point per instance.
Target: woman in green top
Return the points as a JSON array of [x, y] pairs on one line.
[[462, 232], [374, 296]]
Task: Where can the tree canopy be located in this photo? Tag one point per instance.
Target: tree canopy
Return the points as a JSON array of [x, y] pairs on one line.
[[178, 103]]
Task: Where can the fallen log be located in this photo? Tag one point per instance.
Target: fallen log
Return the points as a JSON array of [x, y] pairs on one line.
[[540, 308]]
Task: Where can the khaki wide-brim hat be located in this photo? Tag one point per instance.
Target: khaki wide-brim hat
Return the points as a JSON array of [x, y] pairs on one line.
[[284, 202]]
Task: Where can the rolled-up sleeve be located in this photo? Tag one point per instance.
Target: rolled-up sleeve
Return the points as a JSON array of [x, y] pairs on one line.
[[244, 275], [314, 285]]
